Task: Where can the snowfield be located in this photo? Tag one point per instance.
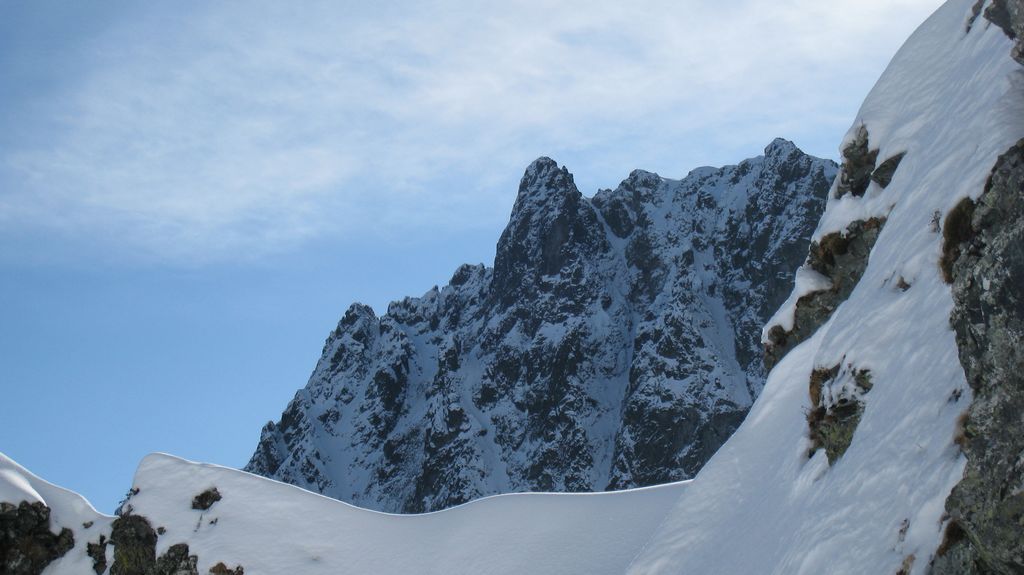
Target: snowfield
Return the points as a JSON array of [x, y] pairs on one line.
[[952, 100]]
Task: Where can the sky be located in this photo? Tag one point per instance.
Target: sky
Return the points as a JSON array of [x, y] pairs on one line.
[[192, 193]]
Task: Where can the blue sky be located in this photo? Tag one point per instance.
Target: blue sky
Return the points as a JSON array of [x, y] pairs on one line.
[[192, 193]]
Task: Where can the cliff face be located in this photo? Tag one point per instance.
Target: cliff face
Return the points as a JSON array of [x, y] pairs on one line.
[[987, 507], [613, 344], [983, 257]]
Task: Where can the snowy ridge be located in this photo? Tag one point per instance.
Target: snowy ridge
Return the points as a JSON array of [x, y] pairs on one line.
[[612, 345], [268, 527]]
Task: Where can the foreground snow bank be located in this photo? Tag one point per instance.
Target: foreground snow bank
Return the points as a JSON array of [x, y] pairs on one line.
[[271, 527]]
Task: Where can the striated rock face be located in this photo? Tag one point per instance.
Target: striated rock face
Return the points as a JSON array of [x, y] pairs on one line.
[[27, 545], [613, 344], [984, 260], [987, 507]]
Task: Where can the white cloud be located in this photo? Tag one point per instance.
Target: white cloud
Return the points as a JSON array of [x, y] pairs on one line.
[[205, 134]]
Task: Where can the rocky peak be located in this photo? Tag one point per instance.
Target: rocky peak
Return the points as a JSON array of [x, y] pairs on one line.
[[541, 180], [612, 345], [780, 148], [466, 273], [357, 313], [552, 225], [641, 180]]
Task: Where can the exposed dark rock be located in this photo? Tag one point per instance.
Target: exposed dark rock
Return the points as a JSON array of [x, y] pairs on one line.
[[676, 438], [842, 257], [98, 552], [956, 554], [975, 14], [1009, 15], [222, 569], [836, 408], [858, 165], [886, 170], [987, 506], [206, 499], [134, 542], [27, 545], [176, 561], [859, 170]]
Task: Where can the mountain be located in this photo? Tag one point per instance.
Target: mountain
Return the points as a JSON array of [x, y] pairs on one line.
[[887, 438], [614, 344]]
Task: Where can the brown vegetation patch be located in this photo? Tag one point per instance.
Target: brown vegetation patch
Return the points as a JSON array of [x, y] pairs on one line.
[[955, 231], [954, 534]]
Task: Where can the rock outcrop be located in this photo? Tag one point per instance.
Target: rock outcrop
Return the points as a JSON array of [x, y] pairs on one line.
[[123, 545], [987, 508], [1009, 15], [840, 258], [613, 344], [836, 408], [27, 544], [984, 260]]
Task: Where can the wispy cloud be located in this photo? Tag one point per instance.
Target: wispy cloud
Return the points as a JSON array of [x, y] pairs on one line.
[[211, 132]]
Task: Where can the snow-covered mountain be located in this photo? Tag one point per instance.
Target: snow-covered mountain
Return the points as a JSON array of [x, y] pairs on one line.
[[887, 438], [614, 344]]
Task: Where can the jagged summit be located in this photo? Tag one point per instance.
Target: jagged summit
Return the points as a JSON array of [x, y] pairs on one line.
[[780, 148], [540, 166], [613, 344], [542, 179]]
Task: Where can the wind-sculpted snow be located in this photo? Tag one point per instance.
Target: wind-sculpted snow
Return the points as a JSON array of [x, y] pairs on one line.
[[612, 345], [264, 526]]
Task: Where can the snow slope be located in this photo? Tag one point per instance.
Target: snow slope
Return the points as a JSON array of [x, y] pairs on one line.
[[953, 101]]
